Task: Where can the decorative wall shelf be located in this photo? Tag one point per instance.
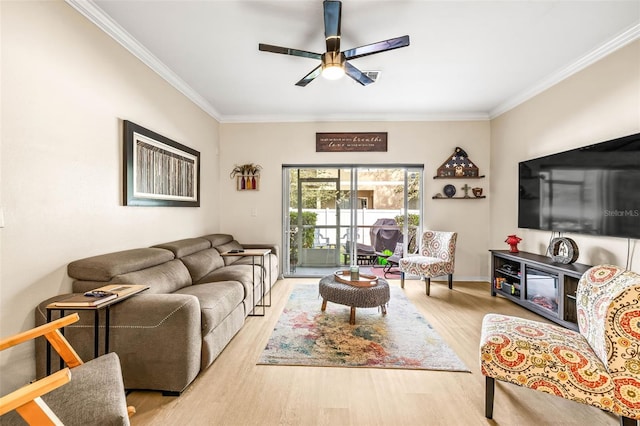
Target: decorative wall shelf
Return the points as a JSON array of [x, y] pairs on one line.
[[459, 177], [458, 166], [435, 197], [247, 176]]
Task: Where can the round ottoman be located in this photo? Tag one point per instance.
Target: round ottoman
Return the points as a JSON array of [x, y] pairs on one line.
[[334, 291]]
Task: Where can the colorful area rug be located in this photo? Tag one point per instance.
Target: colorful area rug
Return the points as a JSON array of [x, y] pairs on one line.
[[304, 335]]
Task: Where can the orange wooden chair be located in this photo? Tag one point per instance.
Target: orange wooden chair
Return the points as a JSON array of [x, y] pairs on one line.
[[43, 401]]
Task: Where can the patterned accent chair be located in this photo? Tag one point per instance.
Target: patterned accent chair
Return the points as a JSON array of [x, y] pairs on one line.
[[436, 258], [598, 366]]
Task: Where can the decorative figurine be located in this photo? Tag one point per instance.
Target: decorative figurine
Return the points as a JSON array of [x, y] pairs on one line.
[[513, 241], [563, 250], [477, 191], [466, 189]]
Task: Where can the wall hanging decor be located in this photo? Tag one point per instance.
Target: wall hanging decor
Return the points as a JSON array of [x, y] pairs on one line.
[[351, 142], [458, 165], [247, 176], [158, 171]]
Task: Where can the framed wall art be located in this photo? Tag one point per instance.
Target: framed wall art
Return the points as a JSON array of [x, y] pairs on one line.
[[158, 171]]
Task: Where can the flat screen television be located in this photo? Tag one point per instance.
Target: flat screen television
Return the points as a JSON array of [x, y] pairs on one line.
[[591, 190]]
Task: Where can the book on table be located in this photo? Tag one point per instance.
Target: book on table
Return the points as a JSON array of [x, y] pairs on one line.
[[98, 296], [123, 289]]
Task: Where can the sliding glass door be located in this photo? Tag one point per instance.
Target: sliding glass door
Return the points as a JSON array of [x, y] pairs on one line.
[[336, 216]]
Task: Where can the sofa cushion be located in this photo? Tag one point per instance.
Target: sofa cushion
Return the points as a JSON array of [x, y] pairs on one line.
[[105, 266], [241, 273], [232, 245], [186, 247], [165, 278], [201, 263], [217, 301], [218, 239], [244, 274]]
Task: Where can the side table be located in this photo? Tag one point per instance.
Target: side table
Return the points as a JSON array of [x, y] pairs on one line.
[[262, 255], [61, 308]]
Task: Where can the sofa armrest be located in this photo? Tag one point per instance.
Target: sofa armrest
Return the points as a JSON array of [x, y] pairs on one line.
[[157, 337]]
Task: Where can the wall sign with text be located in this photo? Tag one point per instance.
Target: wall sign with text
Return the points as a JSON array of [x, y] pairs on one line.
[[351, 142]]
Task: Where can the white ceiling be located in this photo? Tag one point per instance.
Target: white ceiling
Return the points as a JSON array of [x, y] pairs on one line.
[[467, 59]]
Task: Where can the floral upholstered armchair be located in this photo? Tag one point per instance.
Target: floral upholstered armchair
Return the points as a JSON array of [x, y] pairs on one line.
[[436, 258], [598, 366]]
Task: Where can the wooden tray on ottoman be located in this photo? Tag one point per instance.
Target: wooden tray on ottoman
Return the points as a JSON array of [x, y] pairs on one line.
[[344, 277]]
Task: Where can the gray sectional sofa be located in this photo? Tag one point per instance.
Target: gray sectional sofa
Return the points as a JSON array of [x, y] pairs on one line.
[[196, 302]]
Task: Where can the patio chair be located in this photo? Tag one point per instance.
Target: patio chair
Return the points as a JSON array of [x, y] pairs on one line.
[[78, 394], [365, 254], [393, 261], [320, 240], [436, 258]]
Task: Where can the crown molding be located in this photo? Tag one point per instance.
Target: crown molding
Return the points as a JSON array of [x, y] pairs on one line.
[[619, 41], [388, 117], [97, 16], [94, 14]]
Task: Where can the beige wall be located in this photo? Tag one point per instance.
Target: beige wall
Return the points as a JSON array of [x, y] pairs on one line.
[[66, 87], [428, 143], [600, 103]]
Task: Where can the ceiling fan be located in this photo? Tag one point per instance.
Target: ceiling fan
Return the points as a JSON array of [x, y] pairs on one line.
[[334, 63]]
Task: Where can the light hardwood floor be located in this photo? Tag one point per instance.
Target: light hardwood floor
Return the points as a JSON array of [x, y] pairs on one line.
[[236, 391]]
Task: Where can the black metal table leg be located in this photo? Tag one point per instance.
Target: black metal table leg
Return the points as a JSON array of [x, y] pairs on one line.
[[48, 346]]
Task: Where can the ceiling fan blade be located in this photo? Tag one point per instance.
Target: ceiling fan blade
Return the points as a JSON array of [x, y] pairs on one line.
[[381, 46], [309, 77], [332, 13], [356, 74], [287, 51]]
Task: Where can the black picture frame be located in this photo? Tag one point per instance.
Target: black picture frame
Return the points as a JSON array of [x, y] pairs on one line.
[[158, 171]]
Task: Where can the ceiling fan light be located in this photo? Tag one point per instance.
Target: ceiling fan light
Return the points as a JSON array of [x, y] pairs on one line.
[[332, 65], [333, 72]]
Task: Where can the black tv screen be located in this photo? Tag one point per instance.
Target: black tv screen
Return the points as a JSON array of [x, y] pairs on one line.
[[591, 190]]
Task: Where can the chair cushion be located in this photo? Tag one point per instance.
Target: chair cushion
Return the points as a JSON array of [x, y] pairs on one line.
[[545, 357], [425, 266], [95, 395]]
